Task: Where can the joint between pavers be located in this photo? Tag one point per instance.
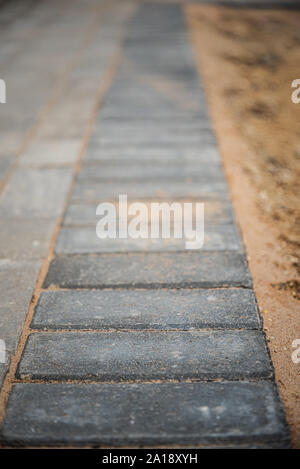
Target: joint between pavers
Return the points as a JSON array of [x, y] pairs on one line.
[[24, 379]]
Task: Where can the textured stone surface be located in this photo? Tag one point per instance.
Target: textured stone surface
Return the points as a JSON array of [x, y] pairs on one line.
[[167, 154], [138, 129], [51, 152], [35, 193], [17, 280], [5, 164], [215, 212], [125, 356], [3, 371], [227, 413], [188, 269], [153, 138], [150, 170], [147, 309], [25, 238], [161, 139], [85, 240], [94, 191]]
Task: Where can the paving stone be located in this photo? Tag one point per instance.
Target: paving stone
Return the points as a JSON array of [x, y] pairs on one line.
[[51, 152], [154, 154], [188, 269], [5, 164], [3, 372], [93, 191], [148, 138], [154, 96], [149, 127], [216, 212], [25, 238], [35, 193], [141, 111], [125, 356], [137, 171], [210, 414], [160, 123], [84, 240], [147, 309], [17, 281]]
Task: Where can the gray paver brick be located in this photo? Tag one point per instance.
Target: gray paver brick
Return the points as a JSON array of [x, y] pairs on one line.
[[147, 127], [216, 212], [85, 240], [127, 414], [145, 139], [149, 189], [20, 277], [35, 193], [147, 309], [5, 163], [156, 154], [25, 238], [150, 171], [3, 371], [125, 356], [188, 269], [51, 152]]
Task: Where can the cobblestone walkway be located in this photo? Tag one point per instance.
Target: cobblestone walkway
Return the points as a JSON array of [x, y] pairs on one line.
[[141, 342]]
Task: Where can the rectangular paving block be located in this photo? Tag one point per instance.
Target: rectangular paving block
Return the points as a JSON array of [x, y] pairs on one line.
[[159, 140], [3, 371], [5, 164], [85, 240], [141, 108], [91, 191], [150, 170], [213, 414], [216, 212], [161, 93], [155, 154], [147, 127], [150, 129], [233, 308], [126, 356], [35, 193], [17, 282], [146, 139], [190, 123], [25, 238], [188, 269], [51, 152]]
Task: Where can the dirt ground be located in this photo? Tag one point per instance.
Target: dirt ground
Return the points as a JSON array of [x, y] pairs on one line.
[[248, 60]]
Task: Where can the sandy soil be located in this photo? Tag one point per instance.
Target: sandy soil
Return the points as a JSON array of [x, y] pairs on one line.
[[248, 59]]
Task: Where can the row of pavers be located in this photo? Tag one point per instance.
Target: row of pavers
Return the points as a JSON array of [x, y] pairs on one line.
[[132, 344], [52, 66]]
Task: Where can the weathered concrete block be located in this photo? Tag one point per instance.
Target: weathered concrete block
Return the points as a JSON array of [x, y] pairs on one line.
[[35, 193], [84, 240], [188, 269], [216, 212], [86, 192], [126, 356], [209, 414], [233, 308]]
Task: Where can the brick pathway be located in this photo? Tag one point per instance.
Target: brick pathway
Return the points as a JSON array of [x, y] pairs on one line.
[[147, 343]]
